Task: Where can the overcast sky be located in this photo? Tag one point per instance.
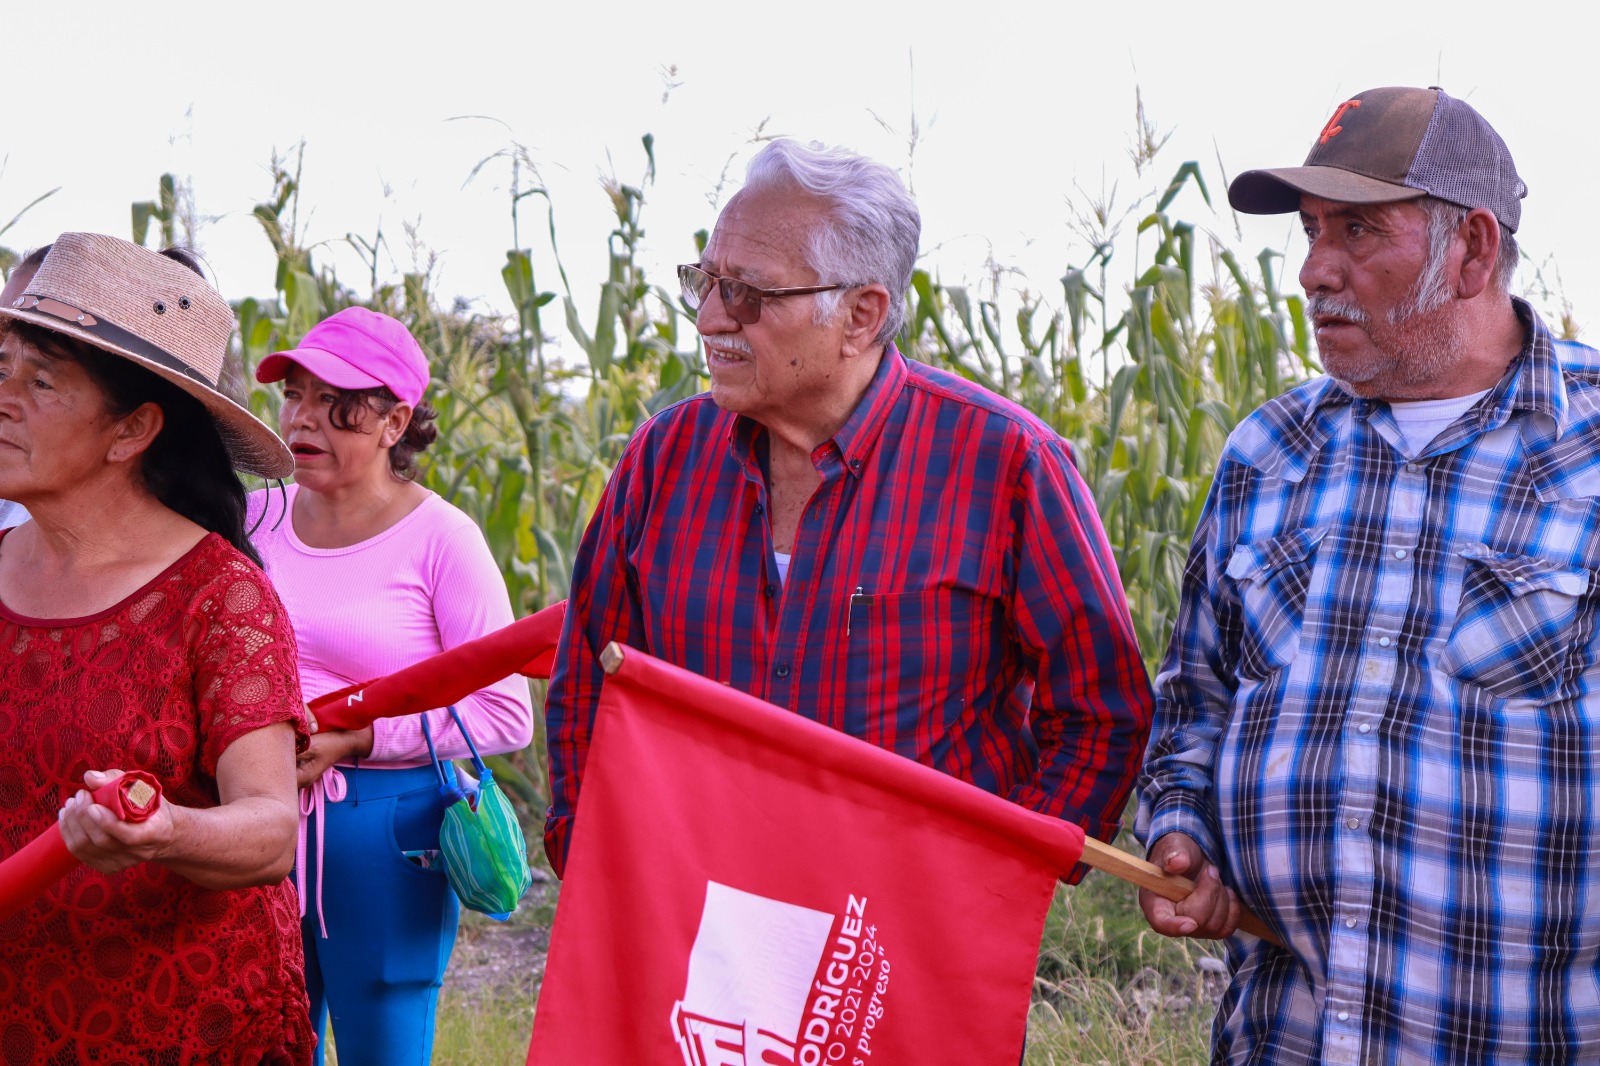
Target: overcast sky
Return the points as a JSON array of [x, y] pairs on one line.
[[1024, 112]]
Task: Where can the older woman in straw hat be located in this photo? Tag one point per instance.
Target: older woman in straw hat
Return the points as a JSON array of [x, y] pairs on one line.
[[140, 633]]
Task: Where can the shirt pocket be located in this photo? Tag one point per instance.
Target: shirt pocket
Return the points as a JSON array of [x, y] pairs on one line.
[[912, 660], [1515, 623], [1272, 577]]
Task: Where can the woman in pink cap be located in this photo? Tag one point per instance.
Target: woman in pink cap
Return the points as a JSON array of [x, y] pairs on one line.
[[376, 572]]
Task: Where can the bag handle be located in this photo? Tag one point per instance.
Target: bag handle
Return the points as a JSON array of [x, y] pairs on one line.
[[448, 787], [477, 761]]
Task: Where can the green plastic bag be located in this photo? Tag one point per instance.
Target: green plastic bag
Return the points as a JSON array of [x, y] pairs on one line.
[[485, 855]]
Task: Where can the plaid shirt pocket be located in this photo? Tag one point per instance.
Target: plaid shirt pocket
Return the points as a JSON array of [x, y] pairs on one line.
[[1514, 626], [912, 656], [1271, 578]]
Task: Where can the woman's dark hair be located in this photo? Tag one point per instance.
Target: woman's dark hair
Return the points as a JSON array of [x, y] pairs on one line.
[[187, 466], [347, 414], [32, 260]]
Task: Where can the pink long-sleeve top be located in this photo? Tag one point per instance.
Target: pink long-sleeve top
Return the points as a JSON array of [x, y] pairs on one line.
[[425, 584]]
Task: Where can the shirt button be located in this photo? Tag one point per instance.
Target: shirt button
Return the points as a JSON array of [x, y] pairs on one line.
[[770, 591], [1349, 923], [1412, 468], [855, 464], [1383, 642], [1354, 823], [760, 509], [1399, 553], [1364, 727], [1344, 1016], [783, 671]]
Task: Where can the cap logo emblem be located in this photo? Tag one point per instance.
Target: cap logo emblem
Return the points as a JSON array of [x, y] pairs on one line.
[[1333, 129]]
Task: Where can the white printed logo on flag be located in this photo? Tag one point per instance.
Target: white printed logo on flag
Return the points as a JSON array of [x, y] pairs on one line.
[[750, 974]]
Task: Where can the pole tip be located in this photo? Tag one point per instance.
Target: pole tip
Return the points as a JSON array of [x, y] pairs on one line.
[[140, 794]]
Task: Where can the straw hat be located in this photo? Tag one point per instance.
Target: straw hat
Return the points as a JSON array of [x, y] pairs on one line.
[[139, 304]]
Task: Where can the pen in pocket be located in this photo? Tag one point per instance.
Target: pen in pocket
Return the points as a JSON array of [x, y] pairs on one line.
[[850, 611]]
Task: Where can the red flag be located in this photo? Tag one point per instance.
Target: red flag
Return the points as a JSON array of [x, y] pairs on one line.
[[526, 646], [44, 860], [747, 887]]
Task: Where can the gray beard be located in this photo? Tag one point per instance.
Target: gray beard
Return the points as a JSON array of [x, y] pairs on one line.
[[1416, 346]]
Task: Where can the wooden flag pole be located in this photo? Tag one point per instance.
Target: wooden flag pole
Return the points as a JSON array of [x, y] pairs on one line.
[[1136, 871], [1101, 856]]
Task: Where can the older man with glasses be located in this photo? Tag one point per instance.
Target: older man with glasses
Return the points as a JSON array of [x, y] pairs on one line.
[[880, 546]]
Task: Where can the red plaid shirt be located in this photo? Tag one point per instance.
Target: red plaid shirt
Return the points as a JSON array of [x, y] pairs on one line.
[[951, 595]]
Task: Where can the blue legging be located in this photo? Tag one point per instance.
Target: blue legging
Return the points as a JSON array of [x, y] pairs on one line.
[[391, 924]]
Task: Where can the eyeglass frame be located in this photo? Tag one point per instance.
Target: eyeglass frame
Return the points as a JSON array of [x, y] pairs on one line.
[[723, 284]]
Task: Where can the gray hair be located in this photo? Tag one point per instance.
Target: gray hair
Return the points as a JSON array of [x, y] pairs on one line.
[[871, 230], [1444, 221]]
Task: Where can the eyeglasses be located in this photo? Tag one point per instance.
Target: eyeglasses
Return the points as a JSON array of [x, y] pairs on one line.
[[742, 299]]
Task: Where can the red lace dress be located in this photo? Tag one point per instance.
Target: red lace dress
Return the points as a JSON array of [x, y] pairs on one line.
[[145, 966]]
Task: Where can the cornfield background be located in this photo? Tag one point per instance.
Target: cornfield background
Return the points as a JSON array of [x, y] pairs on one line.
[[1143, 354]]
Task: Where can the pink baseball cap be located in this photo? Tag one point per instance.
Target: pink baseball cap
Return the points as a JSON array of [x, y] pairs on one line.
[[356, 349]]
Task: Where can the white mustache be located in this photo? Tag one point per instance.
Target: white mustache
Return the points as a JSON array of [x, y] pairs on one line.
[[730, 342], [1323, 304]]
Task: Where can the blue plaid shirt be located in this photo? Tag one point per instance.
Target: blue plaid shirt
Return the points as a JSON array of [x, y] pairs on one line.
[[1380, 714]]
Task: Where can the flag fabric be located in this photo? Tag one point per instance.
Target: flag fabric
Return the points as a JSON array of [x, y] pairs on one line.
[[44, 860], [526, 646], [747, 887]]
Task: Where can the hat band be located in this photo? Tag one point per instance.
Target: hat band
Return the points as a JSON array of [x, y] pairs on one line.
[[112, 334]]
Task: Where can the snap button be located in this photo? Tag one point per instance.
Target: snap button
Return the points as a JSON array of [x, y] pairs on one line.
[[783, 670], [159, 308]]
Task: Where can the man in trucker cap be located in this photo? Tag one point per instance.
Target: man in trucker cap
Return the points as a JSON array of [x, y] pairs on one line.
[[1376, 720]]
